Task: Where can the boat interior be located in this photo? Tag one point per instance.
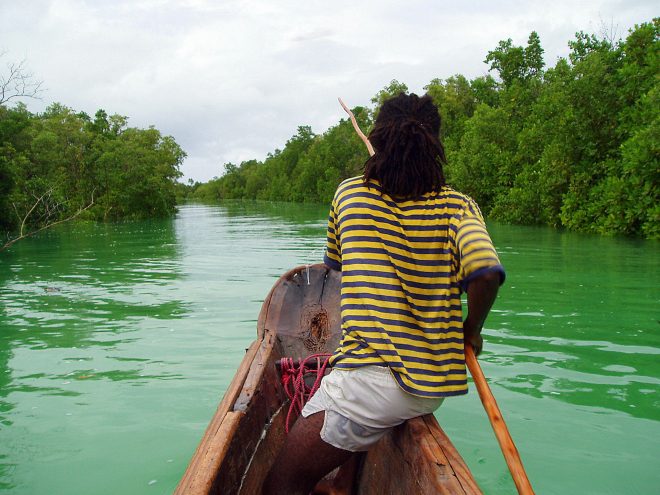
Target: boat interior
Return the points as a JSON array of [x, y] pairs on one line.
[[300, 317]]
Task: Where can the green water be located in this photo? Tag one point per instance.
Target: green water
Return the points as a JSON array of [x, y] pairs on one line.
[[117, 342]]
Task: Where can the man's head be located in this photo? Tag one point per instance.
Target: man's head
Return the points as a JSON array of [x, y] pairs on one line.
[[409, 155]]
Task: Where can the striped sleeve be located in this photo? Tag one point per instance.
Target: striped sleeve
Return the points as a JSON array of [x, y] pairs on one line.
[[332, 257], [476, 251]]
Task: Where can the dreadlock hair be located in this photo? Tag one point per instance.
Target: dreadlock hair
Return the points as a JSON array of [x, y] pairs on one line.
[[409, 155]]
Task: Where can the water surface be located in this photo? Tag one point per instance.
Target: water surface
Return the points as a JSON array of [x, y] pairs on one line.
[[117, 342]]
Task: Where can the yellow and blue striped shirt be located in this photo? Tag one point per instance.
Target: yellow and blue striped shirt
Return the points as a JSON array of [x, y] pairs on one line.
[[404, 265]]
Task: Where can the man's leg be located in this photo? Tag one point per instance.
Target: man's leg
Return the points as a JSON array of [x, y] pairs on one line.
[[304, 459]]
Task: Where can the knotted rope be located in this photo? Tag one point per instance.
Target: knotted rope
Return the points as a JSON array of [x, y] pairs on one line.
[[293, 381]]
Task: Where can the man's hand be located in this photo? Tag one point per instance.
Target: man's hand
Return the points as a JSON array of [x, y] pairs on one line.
[[472, 336]]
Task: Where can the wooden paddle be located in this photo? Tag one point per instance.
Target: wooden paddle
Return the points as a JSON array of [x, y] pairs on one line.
[[497, 422], [492, 410], [364, 138]]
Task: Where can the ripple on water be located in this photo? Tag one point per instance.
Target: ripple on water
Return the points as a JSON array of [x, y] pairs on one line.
[[148, 321]]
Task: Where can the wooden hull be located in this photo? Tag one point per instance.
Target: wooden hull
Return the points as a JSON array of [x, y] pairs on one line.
[[299, 317]]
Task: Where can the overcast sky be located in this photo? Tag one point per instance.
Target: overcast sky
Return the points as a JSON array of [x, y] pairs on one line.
[[232, 80]]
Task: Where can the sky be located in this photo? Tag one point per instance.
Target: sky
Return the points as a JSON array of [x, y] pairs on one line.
[[232, 80]]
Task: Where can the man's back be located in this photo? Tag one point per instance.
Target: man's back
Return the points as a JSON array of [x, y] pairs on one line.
[[403, 264]]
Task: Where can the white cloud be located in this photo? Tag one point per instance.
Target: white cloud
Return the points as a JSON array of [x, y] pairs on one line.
[[232, 80]]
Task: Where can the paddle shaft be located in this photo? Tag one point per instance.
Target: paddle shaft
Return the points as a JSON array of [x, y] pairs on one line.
[[497, 421], [364, 138]]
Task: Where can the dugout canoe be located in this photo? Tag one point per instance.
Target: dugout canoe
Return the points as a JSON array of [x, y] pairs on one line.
[[300, 316]]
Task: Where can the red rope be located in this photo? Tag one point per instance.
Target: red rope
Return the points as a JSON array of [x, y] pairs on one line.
[[293, 381]]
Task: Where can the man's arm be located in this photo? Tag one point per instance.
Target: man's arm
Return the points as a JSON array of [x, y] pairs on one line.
[[332, 256], [481, 294]]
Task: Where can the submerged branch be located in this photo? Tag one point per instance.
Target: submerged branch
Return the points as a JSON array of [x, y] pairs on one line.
[[48, 225]]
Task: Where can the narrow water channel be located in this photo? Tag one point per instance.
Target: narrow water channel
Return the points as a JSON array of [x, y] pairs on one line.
[[117, 342]]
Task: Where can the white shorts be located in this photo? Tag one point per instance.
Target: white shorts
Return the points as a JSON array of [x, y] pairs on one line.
[[362, 405]]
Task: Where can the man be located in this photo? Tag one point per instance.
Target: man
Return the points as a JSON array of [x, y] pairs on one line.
[[407, 245]]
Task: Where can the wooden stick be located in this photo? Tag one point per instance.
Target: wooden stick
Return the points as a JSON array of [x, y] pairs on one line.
[[357, 128], [497, 421]]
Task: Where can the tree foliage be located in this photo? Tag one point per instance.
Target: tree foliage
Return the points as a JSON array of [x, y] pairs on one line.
[[60, 163], [575, 145], [515, 63], [308, 169]]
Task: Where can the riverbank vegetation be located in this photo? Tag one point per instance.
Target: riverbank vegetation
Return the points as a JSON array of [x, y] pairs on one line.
[[62, 164], [574, 145]]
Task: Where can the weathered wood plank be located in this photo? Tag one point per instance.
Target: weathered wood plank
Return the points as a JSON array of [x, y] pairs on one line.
[[409, 460], [461, 470], [260, 399], [202, 478], [427, 458], [385, 471], [227, 403], [258, 369], [267, 450], [311, 320]]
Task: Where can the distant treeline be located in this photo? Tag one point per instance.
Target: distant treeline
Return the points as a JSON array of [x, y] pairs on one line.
[[574, 146], [60, 163]]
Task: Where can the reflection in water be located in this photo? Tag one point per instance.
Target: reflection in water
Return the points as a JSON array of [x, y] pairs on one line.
[[86, 278], [297, 214], [83, 290], [117, 341]]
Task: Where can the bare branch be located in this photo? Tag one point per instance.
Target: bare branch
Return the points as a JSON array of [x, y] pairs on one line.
[[364, 138], [609, 31], [18, 82], [20, 232], [10, 242]]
